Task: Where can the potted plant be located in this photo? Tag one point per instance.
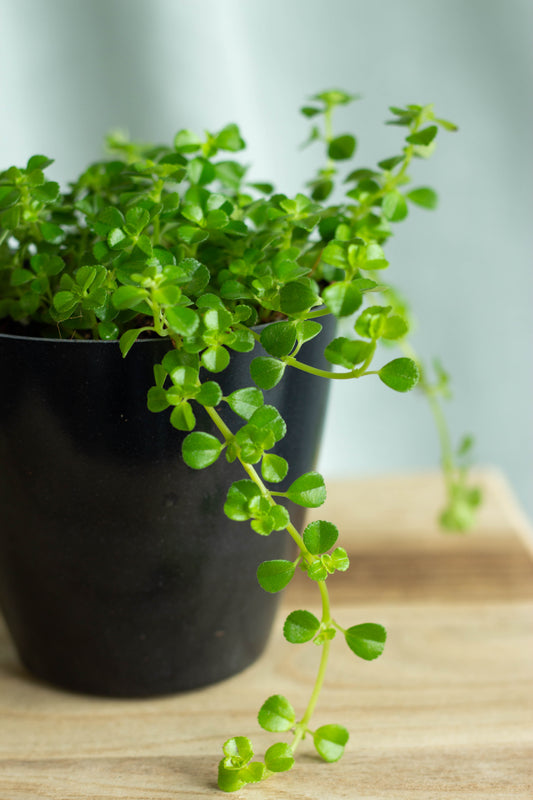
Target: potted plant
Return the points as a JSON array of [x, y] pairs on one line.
[[161, 273]]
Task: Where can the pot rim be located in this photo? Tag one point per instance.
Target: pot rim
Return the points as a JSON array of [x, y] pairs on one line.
[[22, 338]]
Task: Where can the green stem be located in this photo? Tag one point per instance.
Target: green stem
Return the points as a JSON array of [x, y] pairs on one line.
[[319, 682], [303, 725], [252, 473], [446, 447], [323, 373]]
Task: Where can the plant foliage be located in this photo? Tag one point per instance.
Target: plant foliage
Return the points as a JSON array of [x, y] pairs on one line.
[[173, 241]]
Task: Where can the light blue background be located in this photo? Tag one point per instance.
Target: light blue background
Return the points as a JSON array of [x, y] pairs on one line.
[[72, 69]]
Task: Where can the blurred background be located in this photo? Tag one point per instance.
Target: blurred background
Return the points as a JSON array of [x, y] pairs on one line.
[[70, 70]]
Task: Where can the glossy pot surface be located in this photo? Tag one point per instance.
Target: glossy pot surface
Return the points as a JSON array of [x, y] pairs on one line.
[[119, 573]]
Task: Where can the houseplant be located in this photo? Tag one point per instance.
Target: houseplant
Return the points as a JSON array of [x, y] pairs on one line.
[[169, 244]]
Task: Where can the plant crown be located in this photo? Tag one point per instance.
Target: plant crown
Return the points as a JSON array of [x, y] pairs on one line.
[[174, 242]]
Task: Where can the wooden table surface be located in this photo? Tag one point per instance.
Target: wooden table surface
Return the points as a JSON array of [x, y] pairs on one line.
[[447, 712]]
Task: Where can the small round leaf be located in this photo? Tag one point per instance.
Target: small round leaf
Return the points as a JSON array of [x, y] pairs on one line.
[[320, 536], [367, 640], [279, 757], [245, 401], [215, 358], [266, 372], [273, 468], [300, 626], [330, 741], [279, 338], [308, 490], [201, 449], [342, 147], [276, 714], [273, 576], [401, 374]]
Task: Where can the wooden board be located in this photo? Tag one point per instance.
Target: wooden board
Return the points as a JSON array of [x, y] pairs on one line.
[[447, 712]]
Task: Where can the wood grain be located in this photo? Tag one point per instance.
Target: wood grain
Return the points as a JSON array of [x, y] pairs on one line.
[[447, 712]]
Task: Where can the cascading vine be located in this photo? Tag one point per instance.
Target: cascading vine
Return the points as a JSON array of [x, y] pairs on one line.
[[173, 242]]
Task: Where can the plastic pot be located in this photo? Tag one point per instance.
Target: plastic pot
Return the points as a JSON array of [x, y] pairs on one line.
[[119, 573]]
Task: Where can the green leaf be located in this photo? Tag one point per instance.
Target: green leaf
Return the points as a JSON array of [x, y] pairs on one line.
[[167, 295], [65, 301], [401, 374], [279, 517], [157, 399], [276, 714], [217, 319], [310, 111], [388, 164], [320, 536], [137, 218], [245, 401], [335, 255], [279, 338], [317, 571], [230, 173], [187, 141], [215, 358], [108, 331], [446, 124], [128, 339], [307, 329], [296, 297], [273, 468], [266, 372], [342, 147], [335, 97], [395, 327], [374, 257], [229, 780], [273, 576], [371, 323], [117, 239], [330, 741], [111, 217], [51, 233], [279, 757], [210, 394], [182, 320], [339, 559], [394, 206], [229, 138], [201, 449], [342, 299], [424, 197], [300, 626], [85, 276], [423, 137], [9, 196], [269, 418], [20, 276], [238, 752], [367, 640], [240, 495], [128, 297], [183, 419], [347, 352], [308, 490], [217, 219], [241, 340], [322, 190], [38, 162]]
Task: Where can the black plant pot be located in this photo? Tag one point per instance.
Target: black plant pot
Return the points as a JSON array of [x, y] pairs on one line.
[[119, 573]]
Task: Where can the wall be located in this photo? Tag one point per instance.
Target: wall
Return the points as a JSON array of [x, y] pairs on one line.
[[71, 69]]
